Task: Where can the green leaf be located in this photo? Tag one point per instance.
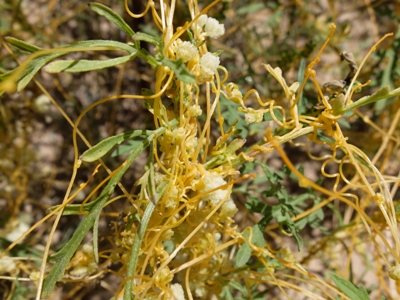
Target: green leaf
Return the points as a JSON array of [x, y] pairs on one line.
[[75, 209], [5, 75], [324, 138], [26, 72], [180, 70], [250, 8], [151, 185], [33, 68], [276, 112], [101, 149], [85, 65], [245, 250], [301, 104], [343, 123], [390, 56], [295, 231], [363, 162], [243, 255], [21, 45], [125, 149], [140, 36], [350, 289], [239, 287], [382, 93], [169, 246], [258, 237], [100, 44], [63, 257], [300, 224], [112, 16], [337, 103], [95, 240], [226, 293]]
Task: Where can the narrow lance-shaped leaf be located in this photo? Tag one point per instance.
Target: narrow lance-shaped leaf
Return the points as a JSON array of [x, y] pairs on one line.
[[141, 36], [112, 16], [101, 149], [37, 65], [85, 65], [111, 45], [64, 255], [301, 106], [21, 45], [75, 209], [382, 93], [95, 241], [27, 71], [350, 289]]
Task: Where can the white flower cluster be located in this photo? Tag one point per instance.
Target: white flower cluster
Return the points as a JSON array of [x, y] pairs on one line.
[[253, 116], [211, 181], [228, 209], [194, 111], [207, 26], [208, 64], [177, 291], [41, 104], [83, 262], [7, 265], [176, 136], [185, 50], [16, 228]]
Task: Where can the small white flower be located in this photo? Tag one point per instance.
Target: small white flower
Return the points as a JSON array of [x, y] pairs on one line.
[[177, 291], [176, 136], [191, 143], [200, 291], [209, 64], [194, 111], [87, 249], [7, 265], [41, 104], [80, 271], [202, 20], [186, 51], [164, 276], [253, 116], [217, 236], [167, 235], [229, 209], [213, 29], [179, 134], [173, 199], [197, 26], [34, 276], [15, 229], [212, 181]]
